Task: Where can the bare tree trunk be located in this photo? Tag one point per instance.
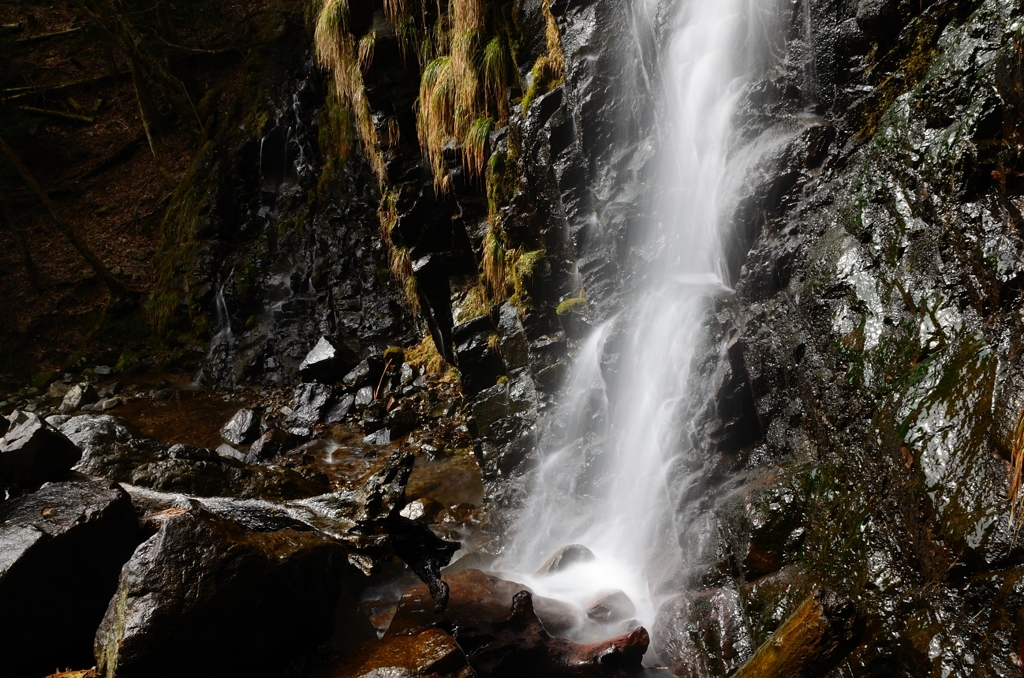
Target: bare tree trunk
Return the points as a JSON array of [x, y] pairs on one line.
[[102, 271], [147, 109], [112, 17]]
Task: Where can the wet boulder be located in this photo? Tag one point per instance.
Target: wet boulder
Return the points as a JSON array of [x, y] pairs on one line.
[[326, 362], [476, 598], [366, 373], [566, 557], [269, 445], [610, 606], [33, 452], [505, 642], [429, 653], [238, 601], [113, 448], [77, 396], [310, 403], [61, 550], [242, 429]]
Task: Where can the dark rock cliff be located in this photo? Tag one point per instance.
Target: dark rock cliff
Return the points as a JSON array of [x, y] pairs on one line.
[[857, 401]]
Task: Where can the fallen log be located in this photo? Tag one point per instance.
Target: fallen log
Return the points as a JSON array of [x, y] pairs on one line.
[[60, 115], [811, 642], [47, 36]]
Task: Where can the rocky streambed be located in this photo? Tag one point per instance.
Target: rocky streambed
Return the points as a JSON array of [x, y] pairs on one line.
[[331, 533]]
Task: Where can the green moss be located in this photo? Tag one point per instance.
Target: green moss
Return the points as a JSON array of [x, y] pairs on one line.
[[521, 273], [542, 80], [394, 354], [574, 305]]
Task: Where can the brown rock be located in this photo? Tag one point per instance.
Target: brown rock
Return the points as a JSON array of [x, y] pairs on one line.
[[430, 653], [495, 622], [480, 596]]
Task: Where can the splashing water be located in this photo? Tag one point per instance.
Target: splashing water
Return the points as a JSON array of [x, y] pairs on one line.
[[612, 482]]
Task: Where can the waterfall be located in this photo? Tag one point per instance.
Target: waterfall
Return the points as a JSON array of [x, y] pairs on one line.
[[611, 482]]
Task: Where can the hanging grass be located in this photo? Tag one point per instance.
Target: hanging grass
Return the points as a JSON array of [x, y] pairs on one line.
[[337, 50], [494, 264], [474, 147], [495, 65]]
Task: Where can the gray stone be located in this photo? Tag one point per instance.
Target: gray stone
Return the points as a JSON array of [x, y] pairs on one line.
[[422, 510], [242, 429], [34, 452], [61, 550], [364, 396], [226, 450], [381, 437], [309, 405], [340, 409], [78, 395], [104, 371], [58, 389], [325, 362], [107, 404]]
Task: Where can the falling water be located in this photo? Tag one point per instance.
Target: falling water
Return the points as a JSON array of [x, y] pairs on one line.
[[611, 482], [221, 318]]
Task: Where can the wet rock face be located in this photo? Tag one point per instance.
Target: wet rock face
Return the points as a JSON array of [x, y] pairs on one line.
[[286, 255], [245, 601], [33, 452], [61, 550], [875, 333]]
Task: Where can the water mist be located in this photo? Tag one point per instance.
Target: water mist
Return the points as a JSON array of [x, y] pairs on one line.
[[611, 481]]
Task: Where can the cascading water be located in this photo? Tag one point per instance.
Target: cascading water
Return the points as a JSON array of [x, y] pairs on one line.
[[611, 481]]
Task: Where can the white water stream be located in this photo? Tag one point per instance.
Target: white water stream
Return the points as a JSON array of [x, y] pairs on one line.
[[607, 483]]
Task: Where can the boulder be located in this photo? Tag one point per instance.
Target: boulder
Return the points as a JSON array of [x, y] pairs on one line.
[[78, 395], [58, 389], [503, 635], [113, 448], [242, 429], [326, 362], [269, 445], [565, 557], [610, 606], [33, 452], [480, 598], [226, 450], [61, 550], [431, 653], [340, 410], [366, 373], [204, 589], [309, 405]]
